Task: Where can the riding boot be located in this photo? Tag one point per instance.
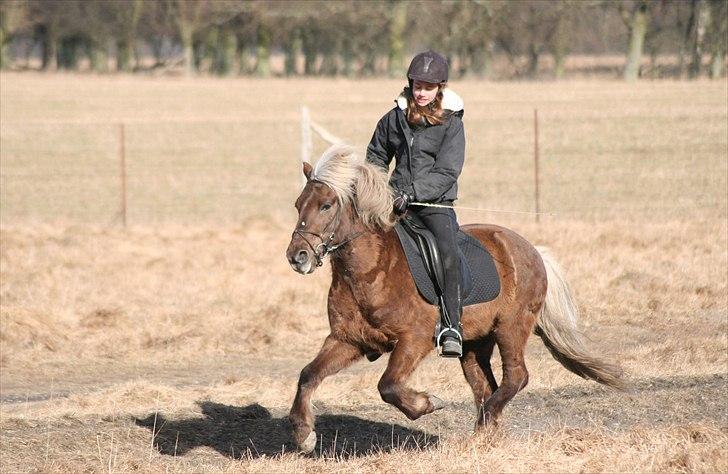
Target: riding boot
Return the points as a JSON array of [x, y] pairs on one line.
[[452, 333]]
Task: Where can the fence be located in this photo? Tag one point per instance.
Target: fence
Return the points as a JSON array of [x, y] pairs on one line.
[[141, 172], [307, 124]]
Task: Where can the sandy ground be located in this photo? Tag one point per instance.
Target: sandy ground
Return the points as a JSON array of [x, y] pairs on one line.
[[250, 427], [175, 344]]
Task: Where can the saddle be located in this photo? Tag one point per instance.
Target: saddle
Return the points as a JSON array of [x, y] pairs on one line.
[[480, 277]]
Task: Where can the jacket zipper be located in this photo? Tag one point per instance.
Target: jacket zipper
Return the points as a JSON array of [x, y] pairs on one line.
[[409, 161], [403, 124]]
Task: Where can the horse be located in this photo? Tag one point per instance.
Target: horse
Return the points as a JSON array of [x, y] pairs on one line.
[[345, 212]]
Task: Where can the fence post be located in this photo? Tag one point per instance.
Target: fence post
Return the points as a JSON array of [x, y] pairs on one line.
[[122, 170], [535, 160], [306, 143]]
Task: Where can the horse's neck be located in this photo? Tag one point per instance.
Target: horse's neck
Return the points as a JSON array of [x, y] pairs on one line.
[[364, 253]]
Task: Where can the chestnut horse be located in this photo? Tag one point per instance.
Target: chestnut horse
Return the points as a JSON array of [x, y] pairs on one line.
[[345, 211]]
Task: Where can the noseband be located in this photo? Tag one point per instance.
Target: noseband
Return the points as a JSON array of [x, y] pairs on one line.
[[323, 249]]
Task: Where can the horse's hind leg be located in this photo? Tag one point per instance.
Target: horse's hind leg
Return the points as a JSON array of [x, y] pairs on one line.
[[476, 368], [402, 362], [334, 356], [511, 336]]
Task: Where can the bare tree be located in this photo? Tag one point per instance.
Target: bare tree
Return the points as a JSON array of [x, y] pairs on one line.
[[364, 37], [717, 36], [397, 28], [481, 40], [13, 17], [190, 17], [48, 18], [636, 20], [532, 28]]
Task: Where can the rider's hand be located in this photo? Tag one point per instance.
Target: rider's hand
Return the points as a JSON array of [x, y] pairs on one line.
[[401, 202]]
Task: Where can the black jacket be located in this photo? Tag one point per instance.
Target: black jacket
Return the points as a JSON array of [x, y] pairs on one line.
[[429, 159]]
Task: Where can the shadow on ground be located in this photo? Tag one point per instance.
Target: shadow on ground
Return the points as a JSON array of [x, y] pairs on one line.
[[253, 431]]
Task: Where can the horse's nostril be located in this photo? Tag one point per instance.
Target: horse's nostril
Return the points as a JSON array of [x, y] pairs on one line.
[[302, 256]]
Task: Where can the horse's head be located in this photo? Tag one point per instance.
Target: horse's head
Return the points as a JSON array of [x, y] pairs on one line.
[[319, 216], [344, 196]]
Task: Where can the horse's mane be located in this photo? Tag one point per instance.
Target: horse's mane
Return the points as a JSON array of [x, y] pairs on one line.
[[355, 180]]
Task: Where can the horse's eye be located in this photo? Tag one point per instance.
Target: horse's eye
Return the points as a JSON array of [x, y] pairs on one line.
[[325, 207]]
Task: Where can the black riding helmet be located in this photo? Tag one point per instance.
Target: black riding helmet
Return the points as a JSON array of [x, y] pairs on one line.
[[428, 67]]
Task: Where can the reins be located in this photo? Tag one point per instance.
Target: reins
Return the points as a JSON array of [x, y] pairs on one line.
[[326, 247], [464, 208]]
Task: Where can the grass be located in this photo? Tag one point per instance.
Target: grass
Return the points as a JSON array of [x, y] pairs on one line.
[[206, 150], [175, 344]]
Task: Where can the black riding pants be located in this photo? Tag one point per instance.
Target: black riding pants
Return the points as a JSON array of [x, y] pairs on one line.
[[443, 224]]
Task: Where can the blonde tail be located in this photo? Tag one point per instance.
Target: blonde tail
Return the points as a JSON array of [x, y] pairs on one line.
[[557, 328]]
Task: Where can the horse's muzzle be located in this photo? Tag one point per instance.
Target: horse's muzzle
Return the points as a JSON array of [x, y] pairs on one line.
[[301, 260]]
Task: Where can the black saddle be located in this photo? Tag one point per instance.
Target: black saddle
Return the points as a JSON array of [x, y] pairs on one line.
[[480, 278]]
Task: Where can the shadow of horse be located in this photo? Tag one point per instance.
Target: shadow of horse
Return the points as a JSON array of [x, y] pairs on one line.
[[252, 431]]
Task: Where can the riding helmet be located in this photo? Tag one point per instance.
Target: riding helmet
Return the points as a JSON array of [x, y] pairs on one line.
[[428, 67]]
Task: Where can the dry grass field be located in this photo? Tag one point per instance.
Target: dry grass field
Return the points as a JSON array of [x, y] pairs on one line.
[[175, 344]]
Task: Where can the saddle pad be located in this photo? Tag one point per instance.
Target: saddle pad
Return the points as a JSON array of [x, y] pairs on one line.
[[477, 264]]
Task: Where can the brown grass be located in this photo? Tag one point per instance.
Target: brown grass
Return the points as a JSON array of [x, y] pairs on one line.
[[193, 316]]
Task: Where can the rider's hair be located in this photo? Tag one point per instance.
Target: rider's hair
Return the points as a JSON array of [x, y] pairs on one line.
[[431, 113]]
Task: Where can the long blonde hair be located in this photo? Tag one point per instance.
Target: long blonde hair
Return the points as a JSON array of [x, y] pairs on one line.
[[355, 180]]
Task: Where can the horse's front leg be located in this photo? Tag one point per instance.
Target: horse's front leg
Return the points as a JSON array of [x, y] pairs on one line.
[[403, 361], [333, 356]]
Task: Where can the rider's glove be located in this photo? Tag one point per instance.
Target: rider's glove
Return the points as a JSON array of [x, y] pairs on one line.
[[401, 202]]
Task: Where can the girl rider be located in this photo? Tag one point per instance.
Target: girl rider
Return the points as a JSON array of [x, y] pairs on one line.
[[424, 132]]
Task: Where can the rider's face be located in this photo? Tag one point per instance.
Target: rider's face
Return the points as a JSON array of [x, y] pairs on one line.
[[424, 92]]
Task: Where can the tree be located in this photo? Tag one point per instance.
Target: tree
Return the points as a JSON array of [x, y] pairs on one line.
[[717, 36], [560, 36], [480, 43], [366, 38], [155, 30], [636, 21], [532, 28], [191, 17], [664, 31], [397, 23], [186, 18], [49, 18], [13, 17], [126, 20], [694, 36]]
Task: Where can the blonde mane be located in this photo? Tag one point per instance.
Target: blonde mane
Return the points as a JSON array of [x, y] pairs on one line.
[[355, 180]]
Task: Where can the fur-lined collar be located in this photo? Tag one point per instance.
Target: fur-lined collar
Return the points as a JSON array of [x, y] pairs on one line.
[[450, 101]]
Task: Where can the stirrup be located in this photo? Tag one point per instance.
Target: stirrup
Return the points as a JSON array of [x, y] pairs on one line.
[[450, 332], [451, 347]]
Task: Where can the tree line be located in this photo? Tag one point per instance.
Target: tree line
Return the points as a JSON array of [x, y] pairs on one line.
[[363, 38]]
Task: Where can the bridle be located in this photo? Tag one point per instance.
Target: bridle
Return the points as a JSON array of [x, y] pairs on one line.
[[326, 246]]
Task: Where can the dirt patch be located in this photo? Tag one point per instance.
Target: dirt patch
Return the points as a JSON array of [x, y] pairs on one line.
[[347, 430]]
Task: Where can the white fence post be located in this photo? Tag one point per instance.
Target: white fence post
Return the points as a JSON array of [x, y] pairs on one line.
[[306, 143], [325, 134]]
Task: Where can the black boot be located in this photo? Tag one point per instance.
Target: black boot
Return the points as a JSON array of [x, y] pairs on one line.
[[451, 335], [451, 342], [452, 346]]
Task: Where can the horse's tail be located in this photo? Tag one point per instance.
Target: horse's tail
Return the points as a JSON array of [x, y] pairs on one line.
[[556, 326]]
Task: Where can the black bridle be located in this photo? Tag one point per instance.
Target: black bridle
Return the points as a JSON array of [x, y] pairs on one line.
[[326, 246]]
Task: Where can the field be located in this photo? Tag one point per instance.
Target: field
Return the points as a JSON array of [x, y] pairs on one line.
[[175, 344]]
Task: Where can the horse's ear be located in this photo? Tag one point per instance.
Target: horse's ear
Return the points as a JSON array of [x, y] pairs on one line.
[[307, 170]]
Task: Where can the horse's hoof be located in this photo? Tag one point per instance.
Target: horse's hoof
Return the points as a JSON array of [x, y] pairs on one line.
[[437, 403], [372, 356], [309, 443]]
